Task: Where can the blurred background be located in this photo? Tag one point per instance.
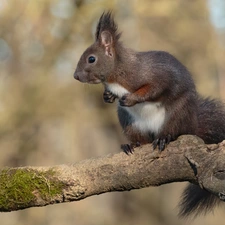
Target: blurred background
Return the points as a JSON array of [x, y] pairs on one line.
[[48, 118]]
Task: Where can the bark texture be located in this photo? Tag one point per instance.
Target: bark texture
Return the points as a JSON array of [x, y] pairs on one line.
[[186, 159]]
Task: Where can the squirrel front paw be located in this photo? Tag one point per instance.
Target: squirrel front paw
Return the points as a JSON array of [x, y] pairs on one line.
[[127, 100], [109, 97]]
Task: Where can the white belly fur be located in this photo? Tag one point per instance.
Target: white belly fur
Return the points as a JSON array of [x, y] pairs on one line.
[[148, 116]]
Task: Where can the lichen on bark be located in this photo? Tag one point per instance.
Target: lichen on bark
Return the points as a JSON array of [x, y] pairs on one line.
[[20, 188]]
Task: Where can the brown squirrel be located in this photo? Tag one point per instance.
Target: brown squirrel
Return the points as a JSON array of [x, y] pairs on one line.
[[157, 99]]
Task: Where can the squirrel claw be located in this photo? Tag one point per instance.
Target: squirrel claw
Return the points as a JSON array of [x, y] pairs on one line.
[[129, 148], [162, 142], [108, 96], [122, 101]]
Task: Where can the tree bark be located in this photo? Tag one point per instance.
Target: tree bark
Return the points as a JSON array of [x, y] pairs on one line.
[[186, 159]]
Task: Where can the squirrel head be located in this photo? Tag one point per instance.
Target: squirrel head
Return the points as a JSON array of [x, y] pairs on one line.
[[98, 61]]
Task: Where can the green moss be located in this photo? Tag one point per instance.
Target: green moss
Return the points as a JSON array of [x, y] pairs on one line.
[[20, 187]]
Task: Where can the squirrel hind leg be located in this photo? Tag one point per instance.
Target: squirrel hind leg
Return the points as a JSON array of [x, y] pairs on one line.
[[162, 141], [196, 201]]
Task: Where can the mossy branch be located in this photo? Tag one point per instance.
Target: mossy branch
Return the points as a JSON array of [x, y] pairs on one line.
[[187, 159]]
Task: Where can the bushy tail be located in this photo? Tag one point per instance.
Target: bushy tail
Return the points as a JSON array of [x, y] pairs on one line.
[[196, 201], [211, 128], [211, 120]]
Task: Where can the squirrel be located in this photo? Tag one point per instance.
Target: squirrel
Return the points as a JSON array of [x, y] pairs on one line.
[[157, 100]]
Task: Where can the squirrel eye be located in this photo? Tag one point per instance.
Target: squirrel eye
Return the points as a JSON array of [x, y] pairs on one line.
[[91, 59]]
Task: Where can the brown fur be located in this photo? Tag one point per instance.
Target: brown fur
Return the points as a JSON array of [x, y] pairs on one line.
[[154, 77]]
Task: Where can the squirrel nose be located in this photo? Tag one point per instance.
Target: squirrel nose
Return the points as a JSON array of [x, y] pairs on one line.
[[75, 75]]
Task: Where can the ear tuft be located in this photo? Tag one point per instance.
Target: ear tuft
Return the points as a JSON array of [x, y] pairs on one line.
[[107, 24]]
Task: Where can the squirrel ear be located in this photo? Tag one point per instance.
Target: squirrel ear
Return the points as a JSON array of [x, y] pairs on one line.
[[107, 42]]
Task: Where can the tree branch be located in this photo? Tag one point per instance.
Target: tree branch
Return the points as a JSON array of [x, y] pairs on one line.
[[186, 159]]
